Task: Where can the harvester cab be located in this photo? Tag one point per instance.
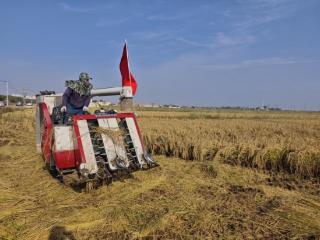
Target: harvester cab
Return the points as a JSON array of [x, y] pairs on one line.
[[98, 147]]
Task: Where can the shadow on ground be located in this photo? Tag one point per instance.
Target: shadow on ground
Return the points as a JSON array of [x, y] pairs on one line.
[[60, 233]]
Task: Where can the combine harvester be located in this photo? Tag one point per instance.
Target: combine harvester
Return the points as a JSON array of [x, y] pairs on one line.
[[97, 147]]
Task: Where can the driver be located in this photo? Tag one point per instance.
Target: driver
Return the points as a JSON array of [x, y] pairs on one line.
[[76, 97]]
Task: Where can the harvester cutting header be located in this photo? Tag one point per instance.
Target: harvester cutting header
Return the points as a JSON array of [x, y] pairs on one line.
[[98, 147]]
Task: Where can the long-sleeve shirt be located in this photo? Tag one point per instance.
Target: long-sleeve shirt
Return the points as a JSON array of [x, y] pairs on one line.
[[74, 99]]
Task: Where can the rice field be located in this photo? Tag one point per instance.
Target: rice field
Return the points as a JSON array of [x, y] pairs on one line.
[[273, 141], [207, 186]]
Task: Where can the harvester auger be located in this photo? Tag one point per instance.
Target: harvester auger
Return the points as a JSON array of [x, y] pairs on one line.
[[98, 147]]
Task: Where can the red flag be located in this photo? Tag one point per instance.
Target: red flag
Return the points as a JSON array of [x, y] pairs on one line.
[[127, 77]]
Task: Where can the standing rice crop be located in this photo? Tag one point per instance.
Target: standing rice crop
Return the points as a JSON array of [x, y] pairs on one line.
[[276, 141]]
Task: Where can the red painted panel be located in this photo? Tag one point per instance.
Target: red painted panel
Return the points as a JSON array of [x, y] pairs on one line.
[[91, 116], [46, 138], [65, 159], [77, 156]]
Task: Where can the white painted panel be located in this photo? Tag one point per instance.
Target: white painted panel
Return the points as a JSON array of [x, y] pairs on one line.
[[91, 164], [50, 100], [108, 144], [58, 100], [118, 142], [64, 138], [114, 146], [38, 128], [135, 139], [113, 124]]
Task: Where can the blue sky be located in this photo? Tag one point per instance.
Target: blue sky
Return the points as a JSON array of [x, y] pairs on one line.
[[209, 53]]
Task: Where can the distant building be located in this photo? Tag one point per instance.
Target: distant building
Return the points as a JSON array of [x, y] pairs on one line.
[[172, 106], [30, 97], [268, 108], [175, 107], [148, 105]]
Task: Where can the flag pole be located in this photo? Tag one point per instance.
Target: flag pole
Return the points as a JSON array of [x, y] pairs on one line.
[[126, 104], [126, 43]]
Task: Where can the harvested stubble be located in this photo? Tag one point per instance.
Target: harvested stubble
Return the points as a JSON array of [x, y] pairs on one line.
[[179, 200], [282, 141], [14, 125]]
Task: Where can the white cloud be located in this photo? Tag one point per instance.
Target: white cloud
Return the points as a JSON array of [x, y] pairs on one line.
[[264, 11], [161, 17], [256, 63], [222, 39], [75, 9], [193, 43], [152, 35], [68, 8], [110, 22], [177, 16]]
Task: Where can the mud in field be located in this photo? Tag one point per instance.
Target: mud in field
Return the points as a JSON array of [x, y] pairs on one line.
[[291, 182], [178, 200]]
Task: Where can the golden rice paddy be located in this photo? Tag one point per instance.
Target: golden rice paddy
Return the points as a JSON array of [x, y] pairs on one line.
[[253, 175], [276, 141]]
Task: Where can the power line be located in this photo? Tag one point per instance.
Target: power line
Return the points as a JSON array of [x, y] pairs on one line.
[[24, 91]]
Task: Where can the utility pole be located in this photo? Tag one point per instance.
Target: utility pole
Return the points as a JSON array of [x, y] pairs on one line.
[[7, 93], [24, 94], [7, 85]]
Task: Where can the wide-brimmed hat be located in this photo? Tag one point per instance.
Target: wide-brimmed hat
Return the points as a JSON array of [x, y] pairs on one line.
[[84, 76]]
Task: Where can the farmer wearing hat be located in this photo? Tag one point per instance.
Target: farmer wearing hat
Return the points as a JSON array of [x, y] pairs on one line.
[[76, 97]]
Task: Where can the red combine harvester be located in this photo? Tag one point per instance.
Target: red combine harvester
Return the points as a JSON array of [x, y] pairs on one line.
[[98, 147]]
